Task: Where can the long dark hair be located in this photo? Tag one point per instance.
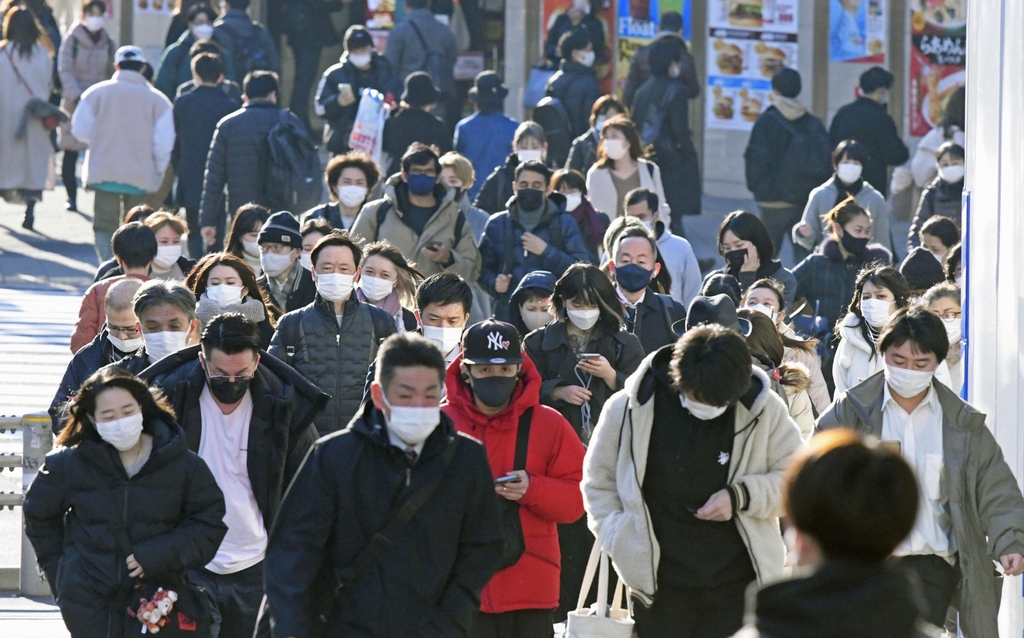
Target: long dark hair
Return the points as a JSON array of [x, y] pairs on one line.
[[82, 410], [623, 124], [746, 226], [882, 277], [23, 31], [956, 113], [585, 284], [196, 280], [248, 218]]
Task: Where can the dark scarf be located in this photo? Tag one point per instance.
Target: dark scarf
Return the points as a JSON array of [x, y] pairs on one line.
[[846, 191]]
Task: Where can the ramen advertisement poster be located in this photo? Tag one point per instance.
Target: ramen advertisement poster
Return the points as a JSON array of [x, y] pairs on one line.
[[938, 57], [857, 31], [748, 42]]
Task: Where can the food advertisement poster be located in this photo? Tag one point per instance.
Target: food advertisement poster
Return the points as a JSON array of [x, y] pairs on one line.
[[154, 6], [748, 42], [938, 57], [637, 23], [604, 11], [857, 31]]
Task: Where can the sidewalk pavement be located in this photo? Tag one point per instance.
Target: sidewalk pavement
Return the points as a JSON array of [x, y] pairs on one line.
[[30, 618]]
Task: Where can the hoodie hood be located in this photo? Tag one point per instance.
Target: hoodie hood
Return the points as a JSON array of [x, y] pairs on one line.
[[840, 601], [397, 192], [526, 395]]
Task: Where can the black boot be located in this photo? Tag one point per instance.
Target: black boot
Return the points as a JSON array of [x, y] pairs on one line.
[[29, 215]]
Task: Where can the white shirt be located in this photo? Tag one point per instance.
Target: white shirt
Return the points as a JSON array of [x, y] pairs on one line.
[[224, 446], [920, 437], [403, 446], [627, 302]]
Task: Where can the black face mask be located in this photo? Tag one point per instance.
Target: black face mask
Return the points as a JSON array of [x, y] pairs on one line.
[[530, 198], [228, 391], [494, 391], [854, 245], [735, 258]]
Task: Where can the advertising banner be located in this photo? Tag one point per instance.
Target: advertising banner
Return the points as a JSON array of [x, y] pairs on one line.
[[749, 41], [857, 31], [938, 52], [638, 21]]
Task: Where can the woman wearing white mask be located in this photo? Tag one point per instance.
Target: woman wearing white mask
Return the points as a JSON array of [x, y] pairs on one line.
[[86, 57], [389, 282], [951, 129], [121, 501], [312, 231], [848, 159], [943, 301], [592, 223], [243, 238], [529, 143], [175, 63], [583, 153], [350, 178], [584, 354], [944, 196], [169, 262], [224, 283], [575, 84], [880, 292], [620, 168]]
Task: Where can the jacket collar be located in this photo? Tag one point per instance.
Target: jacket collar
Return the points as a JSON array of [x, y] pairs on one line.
[[370, 423], [867, 397], [850, 332], [874, 252], [526, 395], [397, 193], [130, 77], [571, 66], [168, 445], [554, 205]]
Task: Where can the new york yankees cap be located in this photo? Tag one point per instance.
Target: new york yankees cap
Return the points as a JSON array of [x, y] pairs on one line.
[[491, 341]]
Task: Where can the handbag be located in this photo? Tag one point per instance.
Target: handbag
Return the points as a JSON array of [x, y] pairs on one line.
[[599, 621], [50, 122], [511, 524]]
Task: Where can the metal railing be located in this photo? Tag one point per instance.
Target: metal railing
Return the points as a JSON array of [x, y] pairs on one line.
[[36, 442]]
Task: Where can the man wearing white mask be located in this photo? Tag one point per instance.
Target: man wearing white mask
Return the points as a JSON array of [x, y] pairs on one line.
[[444, 303], [396, 516], [334, 339], [250, 417], [284, 279], [968, 492], [167, 317]]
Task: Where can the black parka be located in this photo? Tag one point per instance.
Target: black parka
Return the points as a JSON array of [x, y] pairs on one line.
[[172, 512]]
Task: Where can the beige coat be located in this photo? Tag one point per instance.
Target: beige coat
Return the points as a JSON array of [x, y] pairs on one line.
[[24, 163], [985, 504], [80, 64], [439, 228], [616, 462], [602, 194]]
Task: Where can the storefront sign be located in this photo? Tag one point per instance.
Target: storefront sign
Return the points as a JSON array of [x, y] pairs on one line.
[[638, 21], [857, 31], [938, 51]]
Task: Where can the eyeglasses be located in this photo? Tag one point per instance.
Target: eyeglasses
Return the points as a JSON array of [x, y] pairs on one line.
[[950, 315], [128, 333], [277, 249], [231, 379]]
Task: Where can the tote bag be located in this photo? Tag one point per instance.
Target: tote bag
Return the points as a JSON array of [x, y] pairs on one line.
[[599, 621]]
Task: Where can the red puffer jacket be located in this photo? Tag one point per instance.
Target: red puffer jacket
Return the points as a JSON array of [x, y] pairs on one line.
[[554, 461]]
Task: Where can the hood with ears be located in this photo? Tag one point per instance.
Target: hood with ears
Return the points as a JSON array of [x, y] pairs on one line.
[[526, 395]]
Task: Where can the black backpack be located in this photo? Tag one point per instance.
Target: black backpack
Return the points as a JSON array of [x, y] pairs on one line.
[[807, 162], [248, 53], [553, 117], [654, 119], [294, 171]]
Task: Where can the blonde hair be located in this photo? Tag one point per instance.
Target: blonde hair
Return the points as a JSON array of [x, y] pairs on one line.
[[156, 221], [461, 166]]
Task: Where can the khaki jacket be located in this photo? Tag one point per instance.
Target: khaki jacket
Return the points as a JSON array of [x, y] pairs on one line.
[[616, 462], [985, 504], [439, 228]]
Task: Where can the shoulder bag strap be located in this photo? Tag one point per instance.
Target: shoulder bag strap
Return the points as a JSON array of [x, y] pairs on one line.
[[17, 73], [382, 214], [523, 439], [423, 43]]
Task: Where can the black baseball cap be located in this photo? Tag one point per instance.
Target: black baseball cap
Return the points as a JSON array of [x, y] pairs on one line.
[[718, 309], [491, 341]]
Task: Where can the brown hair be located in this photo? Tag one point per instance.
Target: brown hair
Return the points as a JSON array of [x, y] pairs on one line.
[[352, 159], [625, 125], [602, 105], [843, 213], [23, 31], [158, 220], [409, 277], [196, 280], [82, 408]]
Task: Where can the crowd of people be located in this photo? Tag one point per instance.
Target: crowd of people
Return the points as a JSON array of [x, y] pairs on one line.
[[430, 404]]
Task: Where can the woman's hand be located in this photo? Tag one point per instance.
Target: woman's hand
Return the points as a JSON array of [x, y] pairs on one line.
[[751, 262], [599, 367], [134, 568], [804, 229], [572, 394]]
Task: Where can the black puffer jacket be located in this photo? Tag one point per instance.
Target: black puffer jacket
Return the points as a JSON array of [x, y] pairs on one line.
[[336, 359], [380, 76], [239, 159], [410, 125], [100, 352], [577, 88], [828, 278], [281, 431], [428, 582], [549, 349], [172, 511], [196, 116], [497, 189], [654, 318], [939, 198]]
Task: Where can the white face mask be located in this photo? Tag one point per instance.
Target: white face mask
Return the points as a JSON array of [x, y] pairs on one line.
[[306, 259], [584, 319], [959, 282], [587, 59], [202, 31], [375, 288], [763, 309], [447, 339], [224, 295], [615, 149], [675, 71], [530, 155], [952, 174], [167, 256], [274, 264], [573, 201], [161, 344], [908, 383], [702, 411], [412, 426], [953, 329], [361, 60], [849, 172], [251, 248], [125, 345], [876, 312], [536, 319], [122, 433], [648, 224], [93, 23], [352, 195], [334, 287]]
